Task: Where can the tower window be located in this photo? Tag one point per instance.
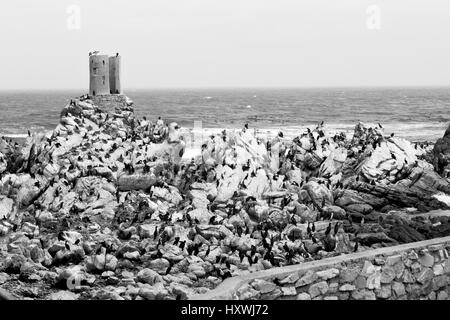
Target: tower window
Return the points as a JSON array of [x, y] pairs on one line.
[[103, 79], [103, 62]]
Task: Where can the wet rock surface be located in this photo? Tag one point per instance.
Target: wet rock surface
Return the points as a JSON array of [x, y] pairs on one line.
[[105, 207]]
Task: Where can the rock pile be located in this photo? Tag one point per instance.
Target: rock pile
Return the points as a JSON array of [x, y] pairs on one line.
[[106, 208]]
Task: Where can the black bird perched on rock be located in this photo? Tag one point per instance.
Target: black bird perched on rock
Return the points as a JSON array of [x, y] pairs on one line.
[[328, 230], [250, 260], [239, 230], [392, 135], [66, 244], [226, 274], [308, 229], [253, 250], [330, 243], [223, 259], [61, 236], [159, 243], [336, 228], [265, 244], [313, 228], [207, 251], [241, 255], [356, 245], [293, 221], [175, 242], [380, 125], [155, 233], [196, 249], [169, 268]]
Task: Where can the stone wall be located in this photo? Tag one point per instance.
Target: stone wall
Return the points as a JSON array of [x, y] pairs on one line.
[[419, 270]]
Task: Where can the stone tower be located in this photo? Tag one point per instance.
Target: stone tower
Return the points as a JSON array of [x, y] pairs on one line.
[[99, 75], [115, 74]]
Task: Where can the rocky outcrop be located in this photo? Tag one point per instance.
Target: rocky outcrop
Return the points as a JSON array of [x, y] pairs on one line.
[[105, 207], [441, 154]]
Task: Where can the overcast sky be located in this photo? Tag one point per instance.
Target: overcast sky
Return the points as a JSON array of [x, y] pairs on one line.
[[227, 43]]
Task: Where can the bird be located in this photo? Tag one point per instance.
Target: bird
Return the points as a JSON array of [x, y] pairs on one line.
[[117, 54], [169, 268], [241, 255], [313, 228], [155, 233], [225, 275], [380, 125], [253, 250], [356, 245], [328, 230], [336, 228], [207, 251], [196, 249], [308, 229]]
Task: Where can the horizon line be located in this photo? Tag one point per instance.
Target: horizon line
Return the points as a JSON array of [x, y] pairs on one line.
[[131, 89]]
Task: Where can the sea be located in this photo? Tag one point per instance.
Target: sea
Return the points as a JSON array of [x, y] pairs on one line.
[[417, 114]]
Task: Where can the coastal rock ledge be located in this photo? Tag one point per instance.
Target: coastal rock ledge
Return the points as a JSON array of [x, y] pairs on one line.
[[108, 206]]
